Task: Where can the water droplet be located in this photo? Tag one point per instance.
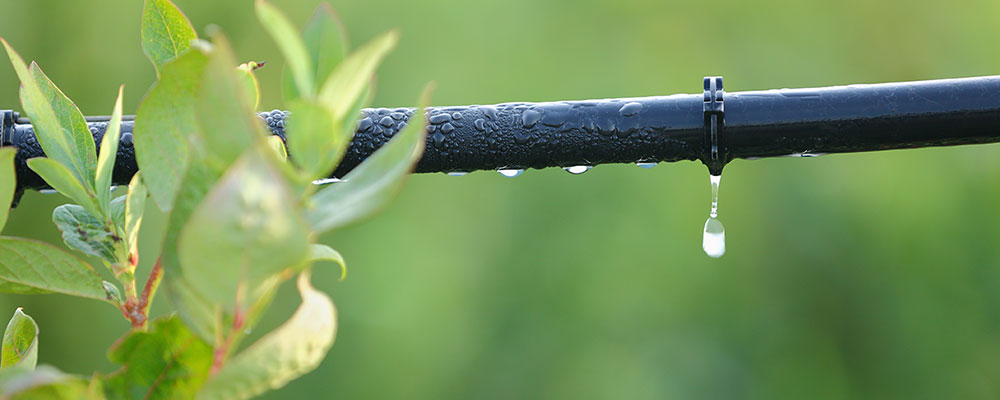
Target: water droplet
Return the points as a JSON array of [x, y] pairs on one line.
[[578, 169], [630, 109], [490, 112], [386, 121], [713, 240], [530, 117], [438, 138], [48, 191], [480, 125], [456, 116], [447, 128], [511, 173], [645, 164], [439, 119], [458, 173], [326, 181]]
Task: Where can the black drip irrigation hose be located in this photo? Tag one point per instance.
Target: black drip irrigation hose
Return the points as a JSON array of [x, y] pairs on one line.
[[713, 127]]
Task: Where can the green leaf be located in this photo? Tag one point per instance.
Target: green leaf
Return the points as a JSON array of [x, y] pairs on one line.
[[60, 127], [277, 146], [347, 83], [166, 32], [244, 231], [228, 126], [370, 185], [326, 42], [290, 44], [166, 361], [318, 143], [20, 342], [198, 313], [62, 180], [109, 151], [32, 267], [322, 252], [42, 383], [248, 79], [82, 231], [135, 204], [288, 352], [8, 182], [163, 122]]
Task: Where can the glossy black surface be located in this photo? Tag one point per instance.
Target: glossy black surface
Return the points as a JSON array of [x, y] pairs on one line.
[[667, 128]]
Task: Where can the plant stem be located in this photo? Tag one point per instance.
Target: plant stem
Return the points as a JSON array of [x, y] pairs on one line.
[[220, 353], [149, 291]]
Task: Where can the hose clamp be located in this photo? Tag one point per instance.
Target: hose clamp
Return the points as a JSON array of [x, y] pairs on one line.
[[8, 118], [714, 110]]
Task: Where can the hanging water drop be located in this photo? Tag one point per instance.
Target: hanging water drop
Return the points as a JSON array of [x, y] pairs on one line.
[[458, 173], [645, 164], [713, 240], [577, 169], [511, 173]]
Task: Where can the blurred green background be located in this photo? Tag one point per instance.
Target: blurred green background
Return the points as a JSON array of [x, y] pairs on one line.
[[850, 276]]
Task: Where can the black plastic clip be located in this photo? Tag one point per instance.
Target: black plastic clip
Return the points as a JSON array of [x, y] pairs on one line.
[[8, 118], [715, 120]]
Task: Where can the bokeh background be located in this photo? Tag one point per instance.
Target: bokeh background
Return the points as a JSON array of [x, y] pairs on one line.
[[849, 276]]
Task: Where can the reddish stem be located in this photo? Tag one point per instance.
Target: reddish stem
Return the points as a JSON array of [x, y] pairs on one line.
[[219, 355], [152, 283]]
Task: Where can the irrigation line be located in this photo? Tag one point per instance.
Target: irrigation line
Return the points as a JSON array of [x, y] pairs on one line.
[[516, 136]]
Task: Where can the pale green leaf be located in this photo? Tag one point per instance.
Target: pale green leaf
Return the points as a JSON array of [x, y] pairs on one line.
[[290, 44], [164, 361], [8, 182], [317, 145], [322, 252], [32, 267], [108, 153], [227, 124], [62, 180], [326, 42], [20, 342], [248, 79], [163, 122], [288, 352], [135, 204], [42, 383], [198, 313], [370, 185], [347, 83], [277, 146], [59, 126], [84, 232], [166, 32], [244, 231]]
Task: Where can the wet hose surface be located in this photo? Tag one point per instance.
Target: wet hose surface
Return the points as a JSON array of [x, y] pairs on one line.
[[649, 129]]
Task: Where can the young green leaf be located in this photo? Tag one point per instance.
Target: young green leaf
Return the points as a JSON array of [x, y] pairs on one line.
[[83, 231], [43, 382], [277, 147], [32, 267], [227, 124], [198, 313], [290, 44], [347, 83], [370, 185], [106, 158], [135, 204], [20, 342], [163, 122], [166, 32], [60, 128], [317, 145], [322, 252], [62, 180], [165, 361], [248, 79], [326, 42], [244, 231], [8, 182], [286, 353]]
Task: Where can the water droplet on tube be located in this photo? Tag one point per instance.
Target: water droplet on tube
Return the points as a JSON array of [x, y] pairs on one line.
[[577, 169], [713, 239], [511, 173]]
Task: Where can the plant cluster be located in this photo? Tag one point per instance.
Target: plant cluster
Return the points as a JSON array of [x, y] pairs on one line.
[[244, 217]]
